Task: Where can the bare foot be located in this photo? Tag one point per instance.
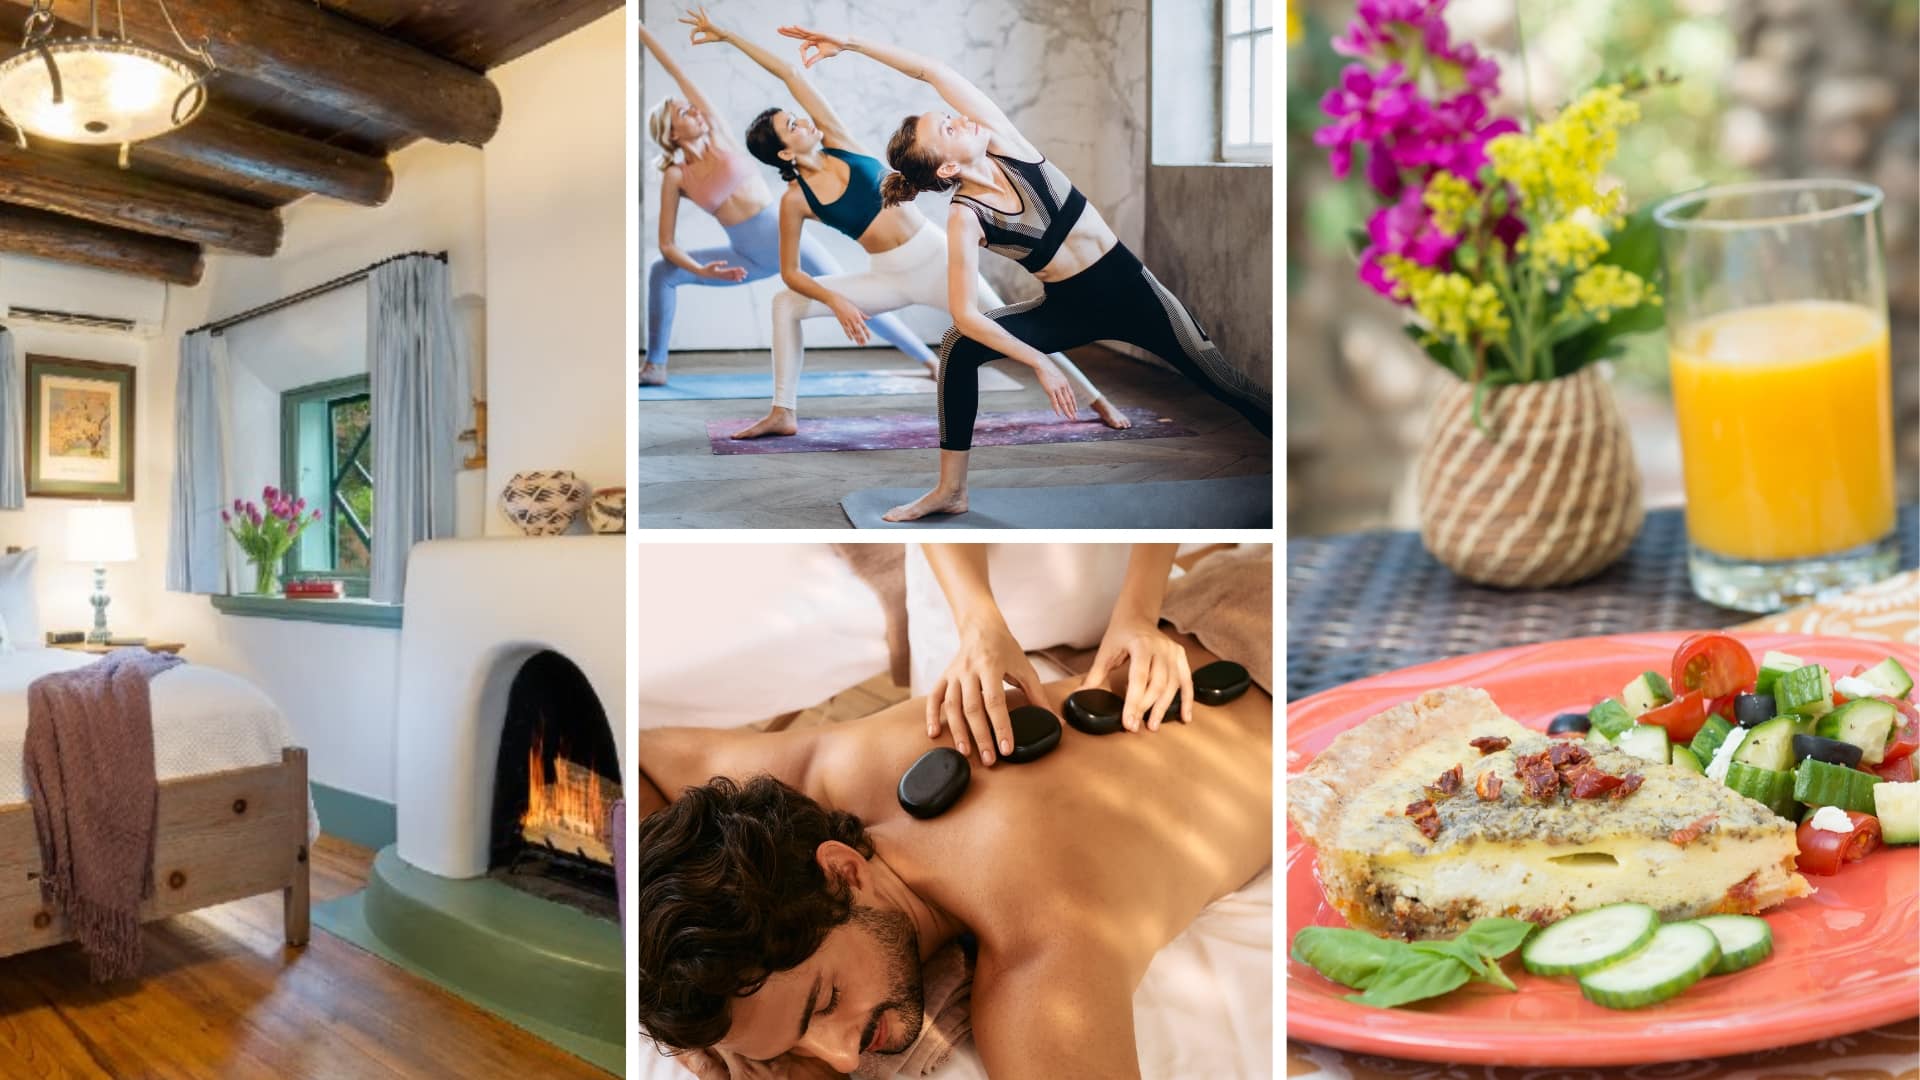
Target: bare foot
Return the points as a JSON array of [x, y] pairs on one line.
[[652, 374], [1110, 415], [933, 502], [778, 421]]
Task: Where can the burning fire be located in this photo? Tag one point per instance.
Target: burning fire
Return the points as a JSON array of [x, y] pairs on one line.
[[571, 812]]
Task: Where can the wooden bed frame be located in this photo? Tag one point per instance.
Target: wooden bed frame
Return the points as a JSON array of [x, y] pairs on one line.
[[223, 836]]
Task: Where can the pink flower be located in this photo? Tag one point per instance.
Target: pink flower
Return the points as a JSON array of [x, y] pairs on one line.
[[225, 516], [299, 504], [316, 514], [269, 494]]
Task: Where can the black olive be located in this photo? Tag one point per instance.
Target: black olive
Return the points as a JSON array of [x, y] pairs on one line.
[[1568, 722], [1831, 751], [1752, 710]]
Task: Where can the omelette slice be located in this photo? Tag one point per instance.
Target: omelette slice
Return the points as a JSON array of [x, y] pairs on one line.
[[1529, 827]]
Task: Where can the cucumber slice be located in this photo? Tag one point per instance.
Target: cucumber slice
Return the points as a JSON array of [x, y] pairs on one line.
[[1598, 737], [1806, 691], [1772, 666], [1897, 805], [1867, 724], [1683, 759], [1649, 691], [1818, 783], [1590, 940], [1745, 940], [1770, 788], [1890, 677], [1679, 955], [1770, 746], [1610, 718], [1711, 735], [1645, 741]]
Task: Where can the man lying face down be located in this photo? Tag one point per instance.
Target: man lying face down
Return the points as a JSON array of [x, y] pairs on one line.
[[785, 902]]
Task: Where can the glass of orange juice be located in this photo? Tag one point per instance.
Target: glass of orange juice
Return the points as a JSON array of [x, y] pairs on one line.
[[1777, 344]]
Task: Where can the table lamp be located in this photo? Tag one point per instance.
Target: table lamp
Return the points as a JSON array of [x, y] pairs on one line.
[[100, 534]]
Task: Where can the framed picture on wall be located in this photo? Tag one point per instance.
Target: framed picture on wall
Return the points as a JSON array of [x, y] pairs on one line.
[[79, 429]]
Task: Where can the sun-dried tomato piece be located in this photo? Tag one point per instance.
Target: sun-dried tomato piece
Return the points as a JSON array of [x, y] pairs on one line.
[[1690, 833], [1489, 744], [1424, 817], [1629, 784], [1488, 786], [1447, 785], [1535, 773], [1589, 782], [1566, 756]]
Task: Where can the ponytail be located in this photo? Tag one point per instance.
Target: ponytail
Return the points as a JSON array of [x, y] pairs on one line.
[[897, 189], [915, 170], [764, 144]]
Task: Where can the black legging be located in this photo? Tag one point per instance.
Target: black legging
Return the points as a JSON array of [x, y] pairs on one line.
[[1115, 299]]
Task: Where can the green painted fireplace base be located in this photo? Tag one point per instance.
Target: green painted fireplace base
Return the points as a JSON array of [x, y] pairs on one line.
[[547, 968]]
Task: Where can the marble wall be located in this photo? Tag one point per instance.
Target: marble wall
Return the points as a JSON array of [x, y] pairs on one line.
[[1071, 73]]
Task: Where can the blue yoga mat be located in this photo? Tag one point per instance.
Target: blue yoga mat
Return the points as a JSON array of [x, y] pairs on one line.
[[1239, 502], [714, 386]]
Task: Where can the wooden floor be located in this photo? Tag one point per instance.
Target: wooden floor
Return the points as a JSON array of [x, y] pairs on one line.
[[222, 997], [681, 483]]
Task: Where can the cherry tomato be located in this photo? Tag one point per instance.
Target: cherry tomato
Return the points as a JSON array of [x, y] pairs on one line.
[[1714, 664], [1907, 739], [1896, 772], [1823, 852], [1723, 707], [1683, 717]]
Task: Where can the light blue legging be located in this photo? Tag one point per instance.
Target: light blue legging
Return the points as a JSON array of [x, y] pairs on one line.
[[754, 244]]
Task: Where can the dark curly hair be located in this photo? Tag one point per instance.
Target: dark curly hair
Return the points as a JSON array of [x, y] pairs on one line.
[[764, 144], [727, 892], [914, 169]]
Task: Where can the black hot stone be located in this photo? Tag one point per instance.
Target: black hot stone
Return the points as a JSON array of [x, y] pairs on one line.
[[935, 782], [1219, 683], [1096, 712], [1035, 732]]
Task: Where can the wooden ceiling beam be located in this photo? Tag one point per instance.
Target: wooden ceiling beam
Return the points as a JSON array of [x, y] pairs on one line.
[[83, 243], [220, 147], [126, 200], [327, 59]]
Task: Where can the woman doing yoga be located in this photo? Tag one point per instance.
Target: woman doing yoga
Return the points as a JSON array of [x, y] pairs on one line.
[[833, 180], [702, 160], [1010, 199]]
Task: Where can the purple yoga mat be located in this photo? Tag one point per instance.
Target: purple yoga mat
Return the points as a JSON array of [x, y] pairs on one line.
[[919, 431]]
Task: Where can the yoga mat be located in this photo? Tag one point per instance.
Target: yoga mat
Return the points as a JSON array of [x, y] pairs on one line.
[[713, 386], [1238, 502], [919, 431]]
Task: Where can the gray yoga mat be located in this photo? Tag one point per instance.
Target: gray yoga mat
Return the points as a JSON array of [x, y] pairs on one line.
[[726, 385], [1238, 502]]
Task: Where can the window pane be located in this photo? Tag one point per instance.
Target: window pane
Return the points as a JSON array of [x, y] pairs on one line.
[[1262, 14], [1237, 15], [1239, 91], [1263, 89]]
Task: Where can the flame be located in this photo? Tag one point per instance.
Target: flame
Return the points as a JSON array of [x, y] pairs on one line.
[[566, 805]]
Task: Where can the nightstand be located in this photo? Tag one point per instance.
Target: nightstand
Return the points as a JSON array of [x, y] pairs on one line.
[[101, 650]]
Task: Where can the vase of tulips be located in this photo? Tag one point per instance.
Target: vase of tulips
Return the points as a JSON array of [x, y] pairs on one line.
[[1519, 268], [266, 532]]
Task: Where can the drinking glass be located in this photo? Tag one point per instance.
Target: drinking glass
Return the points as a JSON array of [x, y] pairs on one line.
[[1777, 345]]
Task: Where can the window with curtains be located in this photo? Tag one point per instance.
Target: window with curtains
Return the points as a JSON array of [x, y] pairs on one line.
[[1246, 80], [327, 447]]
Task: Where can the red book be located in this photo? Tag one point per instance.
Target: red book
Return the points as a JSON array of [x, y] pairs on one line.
[[311, 590]]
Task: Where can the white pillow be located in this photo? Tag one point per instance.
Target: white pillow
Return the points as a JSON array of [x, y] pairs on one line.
[[19, 600]]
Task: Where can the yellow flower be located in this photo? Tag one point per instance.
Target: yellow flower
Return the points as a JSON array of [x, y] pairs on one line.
[[1450, 304], [1449, 198], [1557, 169], [1604, 290], [1566, 244]]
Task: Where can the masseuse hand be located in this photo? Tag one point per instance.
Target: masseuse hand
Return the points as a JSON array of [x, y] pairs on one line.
[[1158, 670], [705, 31], [1059, 390], [720, 271], [971, 699], [823, 46], [852, 319]]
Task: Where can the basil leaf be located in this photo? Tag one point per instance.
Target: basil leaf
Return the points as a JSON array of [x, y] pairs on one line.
[[1456, 948], [1349, 957], [1414, 976], [1496, 975], [1496, 937]]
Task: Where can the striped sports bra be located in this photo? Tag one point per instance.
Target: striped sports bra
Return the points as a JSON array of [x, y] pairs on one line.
[[857, 206], [1049, 207]]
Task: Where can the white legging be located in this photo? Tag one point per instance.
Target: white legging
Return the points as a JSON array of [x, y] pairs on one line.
[[913, 273]]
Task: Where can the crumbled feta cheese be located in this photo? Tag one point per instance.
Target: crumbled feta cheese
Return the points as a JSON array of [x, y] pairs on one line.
[[1831, 819], [1853, 687], [1723, 757]]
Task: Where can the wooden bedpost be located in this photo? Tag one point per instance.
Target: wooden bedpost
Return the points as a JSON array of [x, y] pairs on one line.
[[297, 896]]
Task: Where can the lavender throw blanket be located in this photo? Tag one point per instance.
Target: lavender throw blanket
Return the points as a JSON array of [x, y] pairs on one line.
[[96, 801]]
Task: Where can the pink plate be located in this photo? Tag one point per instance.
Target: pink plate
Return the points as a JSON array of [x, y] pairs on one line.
[[1845, 959]]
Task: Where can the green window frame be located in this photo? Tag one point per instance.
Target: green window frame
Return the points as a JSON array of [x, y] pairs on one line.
[[313, 467]]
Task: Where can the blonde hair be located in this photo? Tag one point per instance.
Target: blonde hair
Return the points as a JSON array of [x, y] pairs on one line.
[[660, 130]]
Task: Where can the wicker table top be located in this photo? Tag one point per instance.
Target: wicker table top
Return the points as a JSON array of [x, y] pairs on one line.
[[1364, 603]]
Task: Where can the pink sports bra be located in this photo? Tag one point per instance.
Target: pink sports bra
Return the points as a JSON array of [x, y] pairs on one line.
[[723, 173]]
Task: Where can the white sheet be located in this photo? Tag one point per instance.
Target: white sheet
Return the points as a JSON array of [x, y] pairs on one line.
[[1205, 1007], [204, 720]]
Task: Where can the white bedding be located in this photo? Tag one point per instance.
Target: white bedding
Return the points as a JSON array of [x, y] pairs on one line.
[[204, 720], [1205, 1007]]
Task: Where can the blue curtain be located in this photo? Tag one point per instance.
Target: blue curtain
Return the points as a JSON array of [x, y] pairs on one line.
[[414, 373], [13, 427], [196, 540]]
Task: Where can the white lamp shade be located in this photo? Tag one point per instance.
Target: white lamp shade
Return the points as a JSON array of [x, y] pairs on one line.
[[111, 92], [100, 533]]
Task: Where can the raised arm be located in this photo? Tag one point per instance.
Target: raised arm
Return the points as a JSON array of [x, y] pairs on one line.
[[954, 88], [832, 128], [715, 122]]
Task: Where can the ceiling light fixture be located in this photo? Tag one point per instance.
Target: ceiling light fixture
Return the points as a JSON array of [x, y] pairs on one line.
[[101, 89]]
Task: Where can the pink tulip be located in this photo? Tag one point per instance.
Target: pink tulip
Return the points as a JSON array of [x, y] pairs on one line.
[[299, 505], [224, 516], [269, 494]]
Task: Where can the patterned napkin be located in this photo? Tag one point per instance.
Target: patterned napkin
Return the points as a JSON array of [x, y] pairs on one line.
[[1885, 611]]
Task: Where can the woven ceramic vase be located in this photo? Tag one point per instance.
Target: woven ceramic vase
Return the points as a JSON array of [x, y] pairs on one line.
[[1550, 498], [544, 503]]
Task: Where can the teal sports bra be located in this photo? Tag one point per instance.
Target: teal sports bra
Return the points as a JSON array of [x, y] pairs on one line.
[[856, 207]]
